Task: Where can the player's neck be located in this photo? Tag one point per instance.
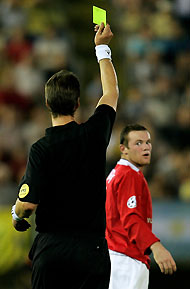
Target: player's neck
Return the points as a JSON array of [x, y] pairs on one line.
[[62, 120], [138, 166]]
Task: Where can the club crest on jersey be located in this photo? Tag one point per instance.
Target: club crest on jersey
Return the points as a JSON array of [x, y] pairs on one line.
[[132, 203]]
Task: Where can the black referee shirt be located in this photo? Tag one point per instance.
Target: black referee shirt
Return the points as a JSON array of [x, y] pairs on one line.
[[65, 175]]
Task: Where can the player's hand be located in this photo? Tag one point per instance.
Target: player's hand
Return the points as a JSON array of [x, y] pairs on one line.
[[21, 226], [163, 258], [103, 34]]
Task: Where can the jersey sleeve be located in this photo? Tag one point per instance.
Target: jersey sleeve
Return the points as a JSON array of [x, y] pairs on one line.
[[131, 214], [101, 122], [32, 183]]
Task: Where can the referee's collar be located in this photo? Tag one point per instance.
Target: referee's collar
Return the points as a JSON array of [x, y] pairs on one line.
[[54, 129], [127, 163]]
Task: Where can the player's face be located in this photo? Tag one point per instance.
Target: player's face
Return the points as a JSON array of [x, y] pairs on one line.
[[139, 148]]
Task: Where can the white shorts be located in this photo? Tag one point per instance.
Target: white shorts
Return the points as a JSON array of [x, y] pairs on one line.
[[127, 273]]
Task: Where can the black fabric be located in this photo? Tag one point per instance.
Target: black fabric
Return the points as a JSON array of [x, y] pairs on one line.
[[70, 262], [66, 175]]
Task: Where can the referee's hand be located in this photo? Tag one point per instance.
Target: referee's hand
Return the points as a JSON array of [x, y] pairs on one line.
[[103, 34], [21, 226], [163, 258]]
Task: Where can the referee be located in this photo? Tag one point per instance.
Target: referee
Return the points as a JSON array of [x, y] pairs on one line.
[[64, 183]]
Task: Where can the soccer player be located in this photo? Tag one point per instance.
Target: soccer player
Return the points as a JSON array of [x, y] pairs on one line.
[[129, 215], [65, 183]]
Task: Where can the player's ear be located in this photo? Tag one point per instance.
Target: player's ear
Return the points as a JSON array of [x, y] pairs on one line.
[[123, 149]]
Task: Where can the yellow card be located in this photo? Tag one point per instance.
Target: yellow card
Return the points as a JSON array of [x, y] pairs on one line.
[[99, 15]]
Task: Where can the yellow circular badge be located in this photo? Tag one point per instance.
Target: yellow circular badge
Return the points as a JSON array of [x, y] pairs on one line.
[[24, 190]]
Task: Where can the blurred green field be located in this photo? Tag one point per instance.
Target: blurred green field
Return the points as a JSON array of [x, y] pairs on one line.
[[14, 246]]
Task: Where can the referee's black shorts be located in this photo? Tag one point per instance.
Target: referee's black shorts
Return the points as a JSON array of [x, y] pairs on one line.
[[70, 262]]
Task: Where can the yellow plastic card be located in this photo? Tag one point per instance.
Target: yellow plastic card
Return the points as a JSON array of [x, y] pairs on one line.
[[99, 15]]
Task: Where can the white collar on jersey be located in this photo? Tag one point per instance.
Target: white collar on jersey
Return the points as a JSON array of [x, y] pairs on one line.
[[127, 163]]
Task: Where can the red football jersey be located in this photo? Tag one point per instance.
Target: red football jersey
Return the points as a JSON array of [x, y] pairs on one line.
[[129, 212]]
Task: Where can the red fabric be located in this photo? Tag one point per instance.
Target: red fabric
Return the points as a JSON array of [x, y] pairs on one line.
[[16, 51], [129, 213], [12, 97]]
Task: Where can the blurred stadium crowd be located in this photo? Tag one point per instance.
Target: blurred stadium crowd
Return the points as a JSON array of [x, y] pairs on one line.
[[151, 52]]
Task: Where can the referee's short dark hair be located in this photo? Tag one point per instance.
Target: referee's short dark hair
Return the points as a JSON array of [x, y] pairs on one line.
[[62, 92], [127, 129]]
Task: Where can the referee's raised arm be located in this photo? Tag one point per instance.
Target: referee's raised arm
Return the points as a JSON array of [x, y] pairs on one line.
[[108, 75]]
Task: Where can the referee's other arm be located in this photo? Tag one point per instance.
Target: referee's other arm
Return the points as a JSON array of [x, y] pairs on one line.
[[23, 210]]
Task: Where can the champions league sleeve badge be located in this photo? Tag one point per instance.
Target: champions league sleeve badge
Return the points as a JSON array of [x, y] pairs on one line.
[[132, 203]]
